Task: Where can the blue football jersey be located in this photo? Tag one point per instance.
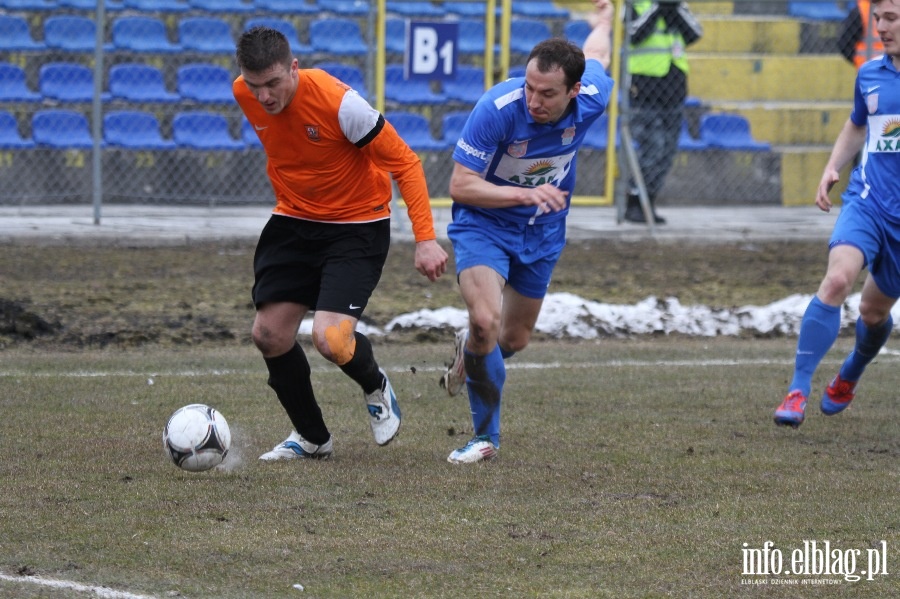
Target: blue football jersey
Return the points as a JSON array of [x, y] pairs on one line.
[[502, 141], [876, 103]]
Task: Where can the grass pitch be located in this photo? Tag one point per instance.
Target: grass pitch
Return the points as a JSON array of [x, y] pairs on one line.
[[627, 469]]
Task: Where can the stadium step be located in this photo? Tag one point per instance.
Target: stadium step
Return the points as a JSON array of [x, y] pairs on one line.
[[763, 78], [791, 123]]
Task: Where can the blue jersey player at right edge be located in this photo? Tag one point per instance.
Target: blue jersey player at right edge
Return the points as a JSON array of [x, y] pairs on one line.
[[866, 233], [513, 177]]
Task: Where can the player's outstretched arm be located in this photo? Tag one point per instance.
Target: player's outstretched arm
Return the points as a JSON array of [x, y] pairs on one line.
[[597, 44]]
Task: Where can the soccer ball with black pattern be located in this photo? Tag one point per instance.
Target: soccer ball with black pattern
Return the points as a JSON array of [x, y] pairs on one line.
[[196, 438]]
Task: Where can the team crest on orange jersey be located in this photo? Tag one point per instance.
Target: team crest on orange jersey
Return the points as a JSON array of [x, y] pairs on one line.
[[312, 132], [518, 149]]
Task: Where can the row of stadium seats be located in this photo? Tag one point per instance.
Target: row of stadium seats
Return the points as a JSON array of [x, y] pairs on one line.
[[531, 8], [69, 129], [210, 83], [213, 35], [71, 82], [202, 130]]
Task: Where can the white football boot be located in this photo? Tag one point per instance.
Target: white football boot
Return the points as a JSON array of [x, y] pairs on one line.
[[296, 447], [384, 413]]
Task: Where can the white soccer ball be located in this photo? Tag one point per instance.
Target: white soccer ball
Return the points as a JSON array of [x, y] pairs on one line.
[[196, 437]]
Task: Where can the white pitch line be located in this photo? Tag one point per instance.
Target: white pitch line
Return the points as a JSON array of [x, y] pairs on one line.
[[330, 368], [102, 592], [885, 355]]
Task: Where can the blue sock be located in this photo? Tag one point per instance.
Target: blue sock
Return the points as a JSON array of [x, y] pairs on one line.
[[868, 343], [818, 330], [507, 354], [485, 376]]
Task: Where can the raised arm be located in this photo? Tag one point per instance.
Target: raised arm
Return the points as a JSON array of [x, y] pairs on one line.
[[597, 44]]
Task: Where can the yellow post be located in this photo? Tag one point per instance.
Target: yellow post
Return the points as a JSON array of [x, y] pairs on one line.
[[615, 69], [505, 23], [380, 58]]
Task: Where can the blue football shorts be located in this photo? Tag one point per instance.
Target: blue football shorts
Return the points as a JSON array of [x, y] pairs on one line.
[[862, 225], [524, 255]]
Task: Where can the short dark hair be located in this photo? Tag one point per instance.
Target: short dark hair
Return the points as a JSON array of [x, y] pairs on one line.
[[260, 48], [559, 53]]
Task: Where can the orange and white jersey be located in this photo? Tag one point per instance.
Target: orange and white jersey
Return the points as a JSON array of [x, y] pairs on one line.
[[330, 156]]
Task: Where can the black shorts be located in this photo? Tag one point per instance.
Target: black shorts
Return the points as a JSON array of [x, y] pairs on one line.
[[324, 266]]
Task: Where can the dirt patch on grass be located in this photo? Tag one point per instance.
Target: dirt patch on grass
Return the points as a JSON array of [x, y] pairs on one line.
[[80, 297]]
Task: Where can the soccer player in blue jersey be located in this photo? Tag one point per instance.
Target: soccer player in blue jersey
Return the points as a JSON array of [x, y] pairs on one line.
[[866, 234], [512, 180]]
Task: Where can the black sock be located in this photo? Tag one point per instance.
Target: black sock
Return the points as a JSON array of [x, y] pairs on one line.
[[289, 377], [362, 367]]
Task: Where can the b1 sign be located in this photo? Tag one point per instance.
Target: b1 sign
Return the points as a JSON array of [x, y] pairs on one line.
[[430, 50]]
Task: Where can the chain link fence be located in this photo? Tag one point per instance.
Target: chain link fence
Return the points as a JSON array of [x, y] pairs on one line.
[[765, 74]]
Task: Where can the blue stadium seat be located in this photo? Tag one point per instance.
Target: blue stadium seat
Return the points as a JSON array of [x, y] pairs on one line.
[[687, 142], [134, 82], [538, 9], [816, 11], [14, 86], [338, 36], [471, 36], [157, 6], [415, 131], [345, 8], [452, 125], [209, 35], [349, 74], [524, 34], [28, 4], [577, 31], [395, 35], [206, 83], [71, 33], [203, 131], [468, 85], [414, 9], [291, 7], [15, 35], [597, 136], [517, 71], [251, 139], [10, 138], [223, 6], [67, 82], [61, 129], [135, 130], [403, 91], [729, 132], [285, 27], [468, 9], [109, 5], [142, 34]]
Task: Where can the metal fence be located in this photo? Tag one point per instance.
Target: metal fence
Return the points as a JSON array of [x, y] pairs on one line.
[[154, 96]]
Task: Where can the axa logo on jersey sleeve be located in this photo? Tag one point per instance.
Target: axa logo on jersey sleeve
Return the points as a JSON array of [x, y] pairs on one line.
[[884, 133], [531, 172]]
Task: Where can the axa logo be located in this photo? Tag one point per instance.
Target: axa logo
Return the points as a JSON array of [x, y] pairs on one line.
[[537, 173], [890, 137]]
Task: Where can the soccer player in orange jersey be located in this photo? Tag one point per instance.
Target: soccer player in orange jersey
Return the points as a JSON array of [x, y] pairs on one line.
[[330, 160]]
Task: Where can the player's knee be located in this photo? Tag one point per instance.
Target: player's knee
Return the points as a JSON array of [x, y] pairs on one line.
[[269, 342], [336, 343], [836, 287]]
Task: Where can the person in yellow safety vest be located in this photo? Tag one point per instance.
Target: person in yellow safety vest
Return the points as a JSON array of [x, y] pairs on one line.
[[858, 40], [658, 32]]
